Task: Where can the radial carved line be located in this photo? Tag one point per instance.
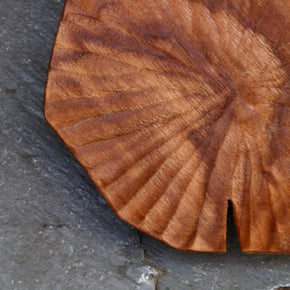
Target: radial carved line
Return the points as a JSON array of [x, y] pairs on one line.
[[181, 143], [155, 206], [216, 149], [204, 183], [131, 164], [101, 116], [168, 184], [185, 126], [116, 183]]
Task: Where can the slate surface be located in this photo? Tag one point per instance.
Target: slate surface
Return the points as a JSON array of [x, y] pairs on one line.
[[56, 230]]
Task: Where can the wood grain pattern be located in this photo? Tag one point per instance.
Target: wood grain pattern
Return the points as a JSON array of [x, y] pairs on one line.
[[175, 107]]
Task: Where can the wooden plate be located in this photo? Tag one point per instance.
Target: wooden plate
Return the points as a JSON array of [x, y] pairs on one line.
[[174, 108]]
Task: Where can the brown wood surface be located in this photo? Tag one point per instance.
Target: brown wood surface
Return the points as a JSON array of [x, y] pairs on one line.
[[175, 107]]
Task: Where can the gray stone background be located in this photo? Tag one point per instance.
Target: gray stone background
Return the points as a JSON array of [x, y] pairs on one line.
[[56, 230]]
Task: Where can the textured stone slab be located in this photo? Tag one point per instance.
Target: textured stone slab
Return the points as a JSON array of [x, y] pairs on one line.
[[56, 231]]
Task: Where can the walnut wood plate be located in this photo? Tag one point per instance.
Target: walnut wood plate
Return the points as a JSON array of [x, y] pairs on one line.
[[174, 108]]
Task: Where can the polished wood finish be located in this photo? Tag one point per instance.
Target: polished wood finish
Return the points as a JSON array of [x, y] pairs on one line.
[[175, 107]]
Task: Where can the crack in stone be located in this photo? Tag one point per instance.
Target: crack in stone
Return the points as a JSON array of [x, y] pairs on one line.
[[149, 261]]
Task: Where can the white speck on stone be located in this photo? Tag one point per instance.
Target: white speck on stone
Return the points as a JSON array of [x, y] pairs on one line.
[[145, 276], [280, 286]]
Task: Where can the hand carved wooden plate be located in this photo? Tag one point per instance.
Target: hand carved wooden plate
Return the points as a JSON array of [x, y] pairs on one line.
[[175, 107]]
